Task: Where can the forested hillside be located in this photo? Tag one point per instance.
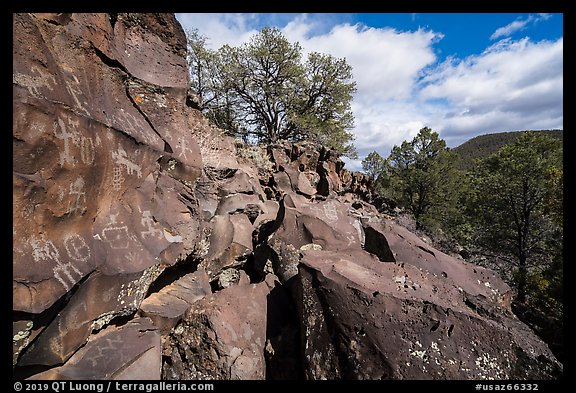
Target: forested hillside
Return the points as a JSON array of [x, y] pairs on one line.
[[484, 145]]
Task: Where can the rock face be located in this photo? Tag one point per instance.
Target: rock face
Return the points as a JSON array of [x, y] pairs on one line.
[[103, 164], [129, 352], [221, 336], [148, 244]]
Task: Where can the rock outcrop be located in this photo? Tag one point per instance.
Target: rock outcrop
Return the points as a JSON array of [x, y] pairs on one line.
[[148, 244]]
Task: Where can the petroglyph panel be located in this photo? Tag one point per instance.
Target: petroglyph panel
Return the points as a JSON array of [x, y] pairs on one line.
[[330, 212], [81, 149], [65, 272], [76, 248], [121, 158], [78, 202], [37, 79], [76, 146], [117, 237], [148, 222]]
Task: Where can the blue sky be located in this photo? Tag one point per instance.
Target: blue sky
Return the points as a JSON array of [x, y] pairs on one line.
[[460, 74]]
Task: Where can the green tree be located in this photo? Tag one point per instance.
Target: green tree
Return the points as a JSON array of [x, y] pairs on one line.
[[424, 173], [322, 109], [516, 194], [263, 91], [206, 80], [374, 165], [201, 61]]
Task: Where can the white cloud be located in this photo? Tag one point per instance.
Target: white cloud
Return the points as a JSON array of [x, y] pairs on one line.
[[227, 28], [517, 25], [385, 62], [512, 85]]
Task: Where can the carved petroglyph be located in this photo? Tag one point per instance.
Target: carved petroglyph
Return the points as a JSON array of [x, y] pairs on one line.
[[67, 137], [117, 178], [330, 212], [74, 90], [76, 248], [116, 234], [131, 256], [44, 250], [127, 121], [70, 135], [40, 128], [64, 270], [106, 351], [121, 158], [183, 148], [87, 153], [60, 194], [148, 221], [77, 190], [117, 237], [34, 82]]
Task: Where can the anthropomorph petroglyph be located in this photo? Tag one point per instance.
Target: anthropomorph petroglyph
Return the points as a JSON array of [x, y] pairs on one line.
[[67, 136], [117, 237], [70, 135], [183, 148], [148, 221], [44, 250], [63, 273], [121, 158]]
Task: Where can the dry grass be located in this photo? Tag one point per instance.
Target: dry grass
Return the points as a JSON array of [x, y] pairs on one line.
[[258, 155]]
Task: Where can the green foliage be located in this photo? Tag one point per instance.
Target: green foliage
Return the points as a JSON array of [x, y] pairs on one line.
[[484, 145], [263, 91], [424, 173], [515, 202], [374, 165], [508, 207]]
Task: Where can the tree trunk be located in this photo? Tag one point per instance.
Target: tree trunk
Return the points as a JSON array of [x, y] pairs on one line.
[[522, 279]]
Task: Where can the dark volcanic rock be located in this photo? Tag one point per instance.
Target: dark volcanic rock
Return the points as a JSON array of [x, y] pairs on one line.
[[103, 162], [221, 336], [472, 279], [96, 108], [364, 319], [97, 302], [167, 306], [129, 352]]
